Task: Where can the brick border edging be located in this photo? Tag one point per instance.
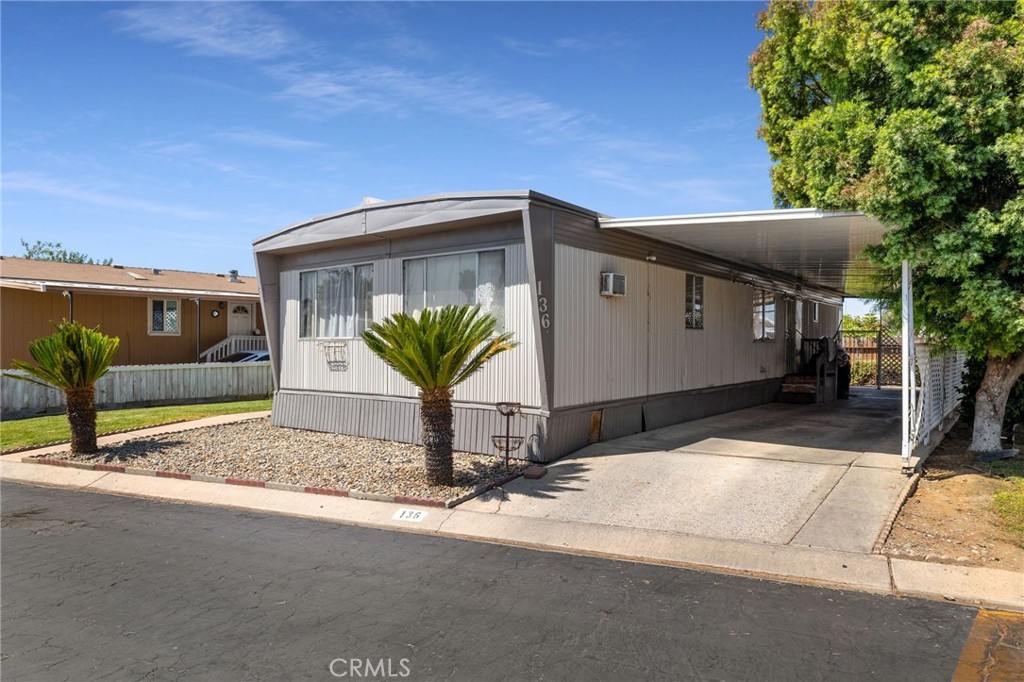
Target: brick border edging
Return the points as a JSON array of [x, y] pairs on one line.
[[883, 535], [273, 485]]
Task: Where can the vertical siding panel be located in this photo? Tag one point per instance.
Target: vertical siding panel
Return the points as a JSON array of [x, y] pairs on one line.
[[510, 376]]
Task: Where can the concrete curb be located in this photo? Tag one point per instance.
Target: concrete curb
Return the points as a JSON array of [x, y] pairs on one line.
[[873, 573]]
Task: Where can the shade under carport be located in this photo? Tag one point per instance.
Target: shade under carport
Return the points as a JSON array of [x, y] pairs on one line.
[[820, 248]]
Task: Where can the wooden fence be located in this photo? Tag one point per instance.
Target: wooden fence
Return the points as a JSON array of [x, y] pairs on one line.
[[144, 385]]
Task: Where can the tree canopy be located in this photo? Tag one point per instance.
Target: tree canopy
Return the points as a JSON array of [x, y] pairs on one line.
[[54, 251], [913, 113]]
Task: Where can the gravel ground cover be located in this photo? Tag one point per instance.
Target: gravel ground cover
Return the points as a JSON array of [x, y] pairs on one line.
[[256, 450]]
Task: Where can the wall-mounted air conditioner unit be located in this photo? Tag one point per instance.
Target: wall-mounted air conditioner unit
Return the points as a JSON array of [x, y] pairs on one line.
[[613, 284]]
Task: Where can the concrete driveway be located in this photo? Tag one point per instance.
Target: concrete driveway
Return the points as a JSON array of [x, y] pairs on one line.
[[824, 476]]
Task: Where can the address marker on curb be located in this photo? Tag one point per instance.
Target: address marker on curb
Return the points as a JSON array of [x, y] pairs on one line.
[[414, 515]]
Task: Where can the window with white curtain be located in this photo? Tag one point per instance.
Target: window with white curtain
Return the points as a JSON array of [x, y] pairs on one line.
[[476, 278], [336, 302], [764, 315]]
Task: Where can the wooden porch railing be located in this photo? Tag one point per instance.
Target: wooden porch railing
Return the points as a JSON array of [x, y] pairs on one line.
[[233, 344]]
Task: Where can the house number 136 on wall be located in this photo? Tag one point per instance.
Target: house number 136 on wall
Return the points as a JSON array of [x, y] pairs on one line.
[[542, 307]]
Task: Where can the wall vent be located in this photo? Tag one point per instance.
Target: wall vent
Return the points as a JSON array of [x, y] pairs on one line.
[[613, 284]]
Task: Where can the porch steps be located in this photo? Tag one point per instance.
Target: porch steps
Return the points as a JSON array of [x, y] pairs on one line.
[[801, 389]]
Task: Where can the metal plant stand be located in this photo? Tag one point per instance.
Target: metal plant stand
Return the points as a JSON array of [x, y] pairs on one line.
[[507, 443]]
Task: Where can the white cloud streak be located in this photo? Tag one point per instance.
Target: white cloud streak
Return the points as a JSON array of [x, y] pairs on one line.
[[41, 184], [240, 30], [267, 140]]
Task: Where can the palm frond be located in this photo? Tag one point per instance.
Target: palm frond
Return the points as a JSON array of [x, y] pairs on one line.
[[439, 348], [74, 356]]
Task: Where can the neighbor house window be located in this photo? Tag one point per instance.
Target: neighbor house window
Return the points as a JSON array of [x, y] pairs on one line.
[[764, 315], [335, 302], [814, 311], [459, 279], [163, 316], [694, 302]]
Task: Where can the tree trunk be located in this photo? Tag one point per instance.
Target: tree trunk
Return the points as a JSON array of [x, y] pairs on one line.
[[82, 418], [438, 434], [990, 401]]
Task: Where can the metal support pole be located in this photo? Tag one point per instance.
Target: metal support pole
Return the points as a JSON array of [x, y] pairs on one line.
[[199, 329], [908, 402], [878, 354]]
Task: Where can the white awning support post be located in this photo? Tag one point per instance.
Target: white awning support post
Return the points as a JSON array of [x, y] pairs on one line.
[[909, 390]]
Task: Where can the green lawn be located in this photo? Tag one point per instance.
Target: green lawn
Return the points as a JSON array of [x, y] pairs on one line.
[[19, 433]]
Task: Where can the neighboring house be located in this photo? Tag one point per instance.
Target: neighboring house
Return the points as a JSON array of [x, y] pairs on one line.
[[623, 325], [161, 316]]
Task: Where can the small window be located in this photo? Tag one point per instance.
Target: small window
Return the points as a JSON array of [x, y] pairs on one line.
[[814, 311], [164, 317], [764, 315], [335, 302], [457, 279], [694, 302]]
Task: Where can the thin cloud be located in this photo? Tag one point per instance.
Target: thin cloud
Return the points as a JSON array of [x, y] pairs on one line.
[[717, 123], [559, 45], [709, 192], [267, 140], [386, 88], [526, 48], [41, 184], [211, 29]]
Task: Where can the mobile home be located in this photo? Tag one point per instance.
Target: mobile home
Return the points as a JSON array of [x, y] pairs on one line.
[[623, 325]]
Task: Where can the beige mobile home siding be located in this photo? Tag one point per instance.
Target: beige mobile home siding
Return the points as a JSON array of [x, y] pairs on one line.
[[829, 317], [510, 376], [609, 349]]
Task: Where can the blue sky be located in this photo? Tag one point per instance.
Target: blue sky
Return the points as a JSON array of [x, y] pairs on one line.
[[171, 135]]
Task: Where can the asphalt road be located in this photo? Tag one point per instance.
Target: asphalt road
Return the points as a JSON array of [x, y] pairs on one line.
[[99, 587]]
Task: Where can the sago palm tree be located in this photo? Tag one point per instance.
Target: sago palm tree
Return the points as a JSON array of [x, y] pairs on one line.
[[437, 351], [73, 359]]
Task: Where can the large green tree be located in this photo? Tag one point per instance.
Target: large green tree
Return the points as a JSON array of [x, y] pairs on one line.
[[913, 112], [436, 351]]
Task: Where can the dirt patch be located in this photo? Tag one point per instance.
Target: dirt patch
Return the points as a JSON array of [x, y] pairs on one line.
[[950, 518]]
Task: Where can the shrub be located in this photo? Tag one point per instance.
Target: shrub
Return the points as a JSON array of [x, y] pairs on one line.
[[862, 373]]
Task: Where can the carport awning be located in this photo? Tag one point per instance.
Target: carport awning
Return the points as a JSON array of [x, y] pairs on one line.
[[820, 248]]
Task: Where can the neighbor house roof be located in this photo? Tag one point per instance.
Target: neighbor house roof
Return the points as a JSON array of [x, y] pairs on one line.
[[39, 275]]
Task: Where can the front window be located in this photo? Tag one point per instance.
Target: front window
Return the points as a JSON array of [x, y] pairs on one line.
[[694, 302], [764, 315], [457, 279], [163, 316], [335, 302]]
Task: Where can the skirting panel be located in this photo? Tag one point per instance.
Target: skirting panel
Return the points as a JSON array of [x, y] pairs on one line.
[[546, 438], [569, 431], [399, 420]]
